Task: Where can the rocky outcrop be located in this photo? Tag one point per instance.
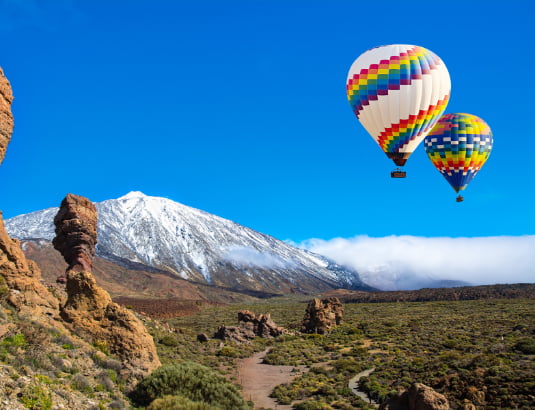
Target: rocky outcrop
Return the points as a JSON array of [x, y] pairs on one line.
[[22, 280], [261, 325], [91, 313], [89, 309], [6, 118], [322, 315], [418, 397], [250, 326], [76, 232]]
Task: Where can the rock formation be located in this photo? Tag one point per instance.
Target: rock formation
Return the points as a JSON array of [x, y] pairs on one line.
[[89, 309], [322, 315], [6, 118], [76, 232], [250, 326], [418, 397], [21, 276], [22, 280]]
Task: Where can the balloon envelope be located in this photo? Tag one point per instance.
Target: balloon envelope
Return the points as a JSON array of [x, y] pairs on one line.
[[458, 146], [398, 92]]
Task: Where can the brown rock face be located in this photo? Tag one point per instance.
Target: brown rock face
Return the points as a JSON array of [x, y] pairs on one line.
[[322, 315], [418, 397], [76, 232], [250, 326], [6, 118], [422, 397], [91, 313], [22, 278], [89, 309], [261, 325]]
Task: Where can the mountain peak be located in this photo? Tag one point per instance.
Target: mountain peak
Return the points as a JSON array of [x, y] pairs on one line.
[[133, 195]]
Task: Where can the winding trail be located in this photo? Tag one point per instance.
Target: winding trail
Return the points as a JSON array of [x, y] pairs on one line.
[[354, 386], [258, 380]]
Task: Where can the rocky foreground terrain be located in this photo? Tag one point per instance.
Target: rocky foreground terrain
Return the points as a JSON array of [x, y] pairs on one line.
[[41, 328]]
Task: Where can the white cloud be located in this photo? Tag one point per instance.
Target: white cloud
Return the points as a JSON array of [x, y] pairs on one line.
[[411, 262], [247, 256]]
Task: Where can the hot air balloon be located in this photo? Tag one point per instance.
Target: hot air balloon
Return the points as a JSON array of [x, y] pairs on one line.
[[398, 92], [458, 146]]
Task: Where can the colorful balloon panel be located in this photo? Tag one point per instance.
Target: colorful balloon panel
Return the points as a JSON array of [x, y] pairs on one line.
[[398, 92], [458, 146]]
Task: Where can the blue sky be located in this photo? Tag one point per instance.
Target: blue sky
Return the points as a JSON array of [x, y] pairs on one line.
[[239, 108]]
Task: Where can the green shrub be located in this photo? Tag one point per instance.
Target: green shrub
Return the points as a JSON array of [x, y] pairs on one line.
[[36, 397], [17, 340], [312, 405], [228, 351], [526, 346], [168, 340], [102, 345], [191, 380], [178, 403], [81, 383]]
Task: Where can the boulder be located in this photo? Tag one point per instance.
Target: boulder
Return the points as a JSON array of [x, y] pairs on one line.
[[418, 397], [422, 397], [322, 315], [250, 326]]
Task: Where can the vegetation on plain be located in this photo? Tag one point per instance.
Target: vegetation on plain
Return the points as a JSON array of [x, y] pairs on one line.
[[477, 351]]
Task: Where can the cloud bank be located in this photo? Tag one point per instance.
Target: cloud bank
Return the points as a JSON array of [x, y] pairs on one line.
[[247, 256], [410, 262]]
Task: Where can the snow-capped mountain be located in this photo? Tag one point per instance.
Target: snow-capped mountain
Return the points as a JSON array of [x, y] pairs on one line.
[[195, 245]]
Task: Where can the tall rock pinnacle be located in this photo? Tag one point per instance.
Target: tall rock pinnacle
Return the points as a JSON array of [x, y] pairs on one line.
[[89, 309], [6, 118], [76, 232]]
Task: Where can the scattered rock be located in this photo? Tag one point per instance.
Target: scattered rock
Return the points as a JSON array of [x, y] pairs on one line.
[[6, 118], [203, 337], [261, 325], [250, 326], [322, 315], [236, 334]]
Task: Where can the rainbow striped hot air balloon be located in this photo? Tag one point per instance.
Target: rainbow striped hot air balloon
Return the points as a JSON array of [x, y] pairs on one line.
[[398, 92], [458, 146]]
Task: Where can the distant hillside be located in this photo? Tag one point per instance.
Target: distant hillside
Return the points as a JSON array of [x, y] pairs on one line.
[[519, 290]]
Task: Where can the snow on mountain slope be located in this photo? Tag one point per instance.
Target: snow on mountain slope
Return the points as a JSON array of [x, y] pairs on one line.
[[196, 245]]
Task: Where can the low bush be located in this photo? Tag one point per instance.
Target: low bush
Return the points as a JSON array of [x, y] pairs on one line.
[[192, 381], [178, 402], [526, 346]]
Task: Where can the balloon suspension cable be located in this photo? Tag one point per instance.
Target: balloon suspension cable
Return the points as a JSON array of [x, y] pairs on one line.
[[398, 173], [460, 198]]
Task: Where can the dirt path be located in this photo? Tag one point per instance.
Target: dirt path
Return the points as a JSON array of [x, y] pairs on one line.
[[258, 380], [354, 386]]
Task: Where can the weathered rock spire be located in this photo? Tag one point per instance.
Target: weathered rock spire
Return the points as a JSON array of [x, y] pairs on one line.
[[6, 118], [89, 309], [76, 232]]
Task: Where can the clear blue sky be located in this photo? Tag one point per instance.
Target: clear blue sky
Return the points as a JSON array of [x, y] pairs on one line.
[[239, 108]]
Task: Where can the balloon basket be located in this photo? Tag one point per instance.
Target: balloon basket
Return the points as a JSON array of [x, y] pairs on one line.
[[459, 198], [398, 173]]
